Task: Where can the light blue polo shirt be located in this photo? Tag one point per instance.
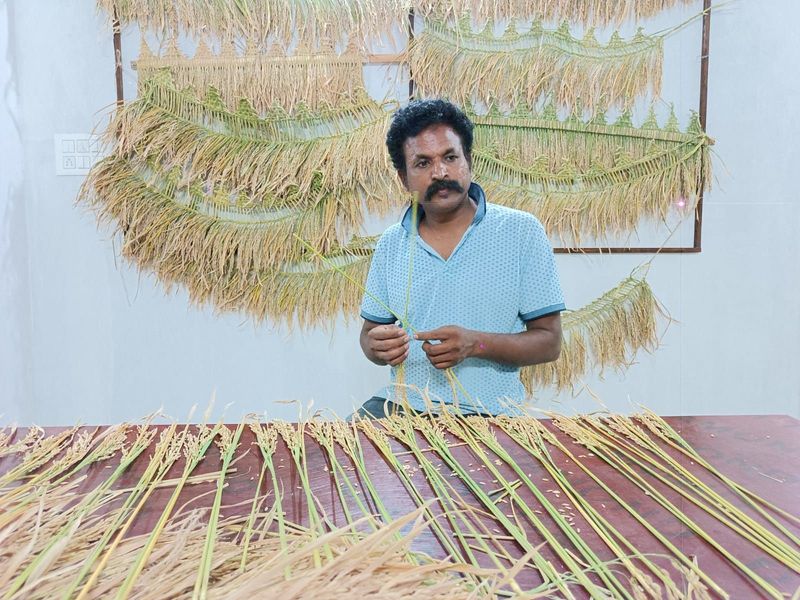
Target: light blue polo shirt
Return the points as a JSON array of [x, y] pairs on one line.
[[500, 274]]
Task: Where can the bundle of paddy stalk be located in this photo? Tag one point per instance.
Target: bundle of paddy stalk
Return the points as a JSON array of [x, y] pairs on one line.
[[497, 525]]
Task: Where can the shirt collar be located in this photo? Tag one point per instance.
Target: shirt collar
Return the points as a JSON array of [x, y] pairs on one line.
[[475, 192]]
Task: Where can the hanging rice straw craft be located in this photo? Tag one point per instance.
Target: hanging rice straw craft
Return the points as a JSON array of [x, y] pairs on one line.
[[523, 67]]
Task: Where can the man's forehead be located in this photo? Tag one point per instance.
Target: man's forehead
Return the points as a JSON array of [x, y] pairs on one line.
[[438, 137]]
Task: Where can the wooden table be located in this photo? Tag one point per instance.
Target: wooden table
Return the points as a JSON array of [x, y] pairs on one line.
[[761, 453]]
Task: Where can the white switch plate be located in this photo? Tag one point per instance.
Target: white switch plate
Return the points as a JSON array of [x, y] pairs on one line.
[[75, 152]]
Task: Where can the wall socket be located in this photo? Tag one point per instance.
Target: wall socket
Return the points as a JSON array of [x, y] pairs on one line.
[[75, 152]]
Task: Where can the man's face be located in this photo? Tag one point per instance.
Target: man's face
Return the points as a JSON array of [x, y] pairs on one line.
[[437, 169]]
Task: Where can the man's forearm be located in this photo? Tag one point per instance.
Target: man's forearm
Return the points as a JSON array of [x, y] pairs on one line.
[[530, 347], [449, 345]]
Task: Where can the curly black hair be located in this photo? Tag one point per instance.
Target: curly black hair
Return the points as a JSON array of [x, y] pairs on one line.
[[410, 120]]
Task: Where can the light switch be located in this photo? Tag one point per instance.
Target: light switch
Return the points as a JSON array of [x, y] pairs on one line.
[[75, 153]]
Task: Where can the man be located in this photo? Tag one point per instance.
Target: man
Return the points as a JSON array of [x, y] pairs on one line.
[[474, 284]]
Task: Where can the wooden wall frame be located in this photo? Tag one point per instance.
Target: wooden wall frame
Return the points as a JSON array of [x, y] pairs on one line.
[[696, 246]]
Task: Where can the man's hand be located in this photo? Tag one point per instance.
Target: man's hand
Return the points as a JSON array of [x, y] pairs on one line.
[[454, 345], [384, 344], [539, 343]]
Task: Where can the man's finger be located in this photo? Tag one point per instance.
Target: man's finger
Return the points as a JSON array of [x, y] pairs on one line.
[[434, 334], [386, 332], [392, 353], [435, 349], [389, 344], [444, 364], [399, 359]]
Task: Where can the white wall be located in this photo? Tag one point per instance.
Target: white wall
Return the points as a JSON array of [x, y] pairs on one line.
[[84, 337]]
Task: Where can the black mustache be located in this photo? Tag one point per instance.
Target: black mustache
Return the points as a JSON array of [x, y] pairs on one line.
[[442, 184]]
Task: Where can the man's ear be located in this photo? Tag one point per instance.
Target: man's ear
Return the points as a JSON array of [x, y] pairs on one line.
[[401, 173]]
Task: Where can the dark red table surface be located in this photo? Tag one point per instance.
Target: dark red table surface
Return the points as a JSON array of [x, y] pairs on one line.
[[762, 453]]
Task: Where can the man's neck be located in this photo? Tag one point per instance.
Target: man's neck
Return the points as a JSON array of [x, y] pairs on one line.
[[456, 220]]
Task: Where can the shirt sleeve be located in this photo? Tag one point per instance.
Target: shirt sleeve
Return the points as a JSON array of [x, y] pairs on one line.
[[540, 287], [376, 298]]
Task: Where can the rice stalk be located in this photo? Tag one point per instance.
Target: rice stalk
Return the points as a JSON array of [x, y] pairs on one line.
[[590, 439], [381, 441], [194, 450], [166, 453], [539, 139], [228, 443], [455, 510], [667, 434], [347, 437], [635, 447], [7, 447], [38, 450], [531, 435], [466, 432], [322, 432], [598, 202], [247, 531], [84, 508], [262, 155], [83, 450], [605, 333], [294, 438]]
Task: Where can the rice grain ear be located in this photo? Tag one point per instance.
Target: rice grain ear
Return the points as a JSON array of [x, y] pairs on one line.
[[605, 333], [463, 65]]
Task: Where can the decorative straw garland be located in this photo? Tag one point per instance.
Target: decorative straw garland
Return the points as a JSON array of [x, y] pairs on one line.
[[590, 178], [587, 12], [571, 204], [522, 67], [527, 136], [262, 20], [311, 152], [183, 233], [317, 79], [605, 333]]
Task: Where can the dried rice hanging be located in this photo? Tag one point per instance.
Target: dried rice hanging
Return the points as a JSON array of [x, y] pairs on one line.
[[527, 136], [587, 12], [605, 333], [265, 20], [317, 79], [190, 236], [591, 178], [325, 151], [522, 67]]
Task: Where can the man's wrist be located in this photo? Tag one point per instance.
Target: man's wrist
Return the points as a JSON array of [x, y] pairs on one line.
[[478, 343]]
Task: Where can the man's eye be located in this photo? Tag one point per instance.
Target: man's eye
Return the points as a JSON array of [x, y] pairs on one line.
[[451, 157], [422, 163]]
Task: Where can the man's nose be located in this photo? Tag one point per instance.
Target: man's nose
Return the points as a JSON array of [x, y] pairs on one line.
[[439, 170]]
